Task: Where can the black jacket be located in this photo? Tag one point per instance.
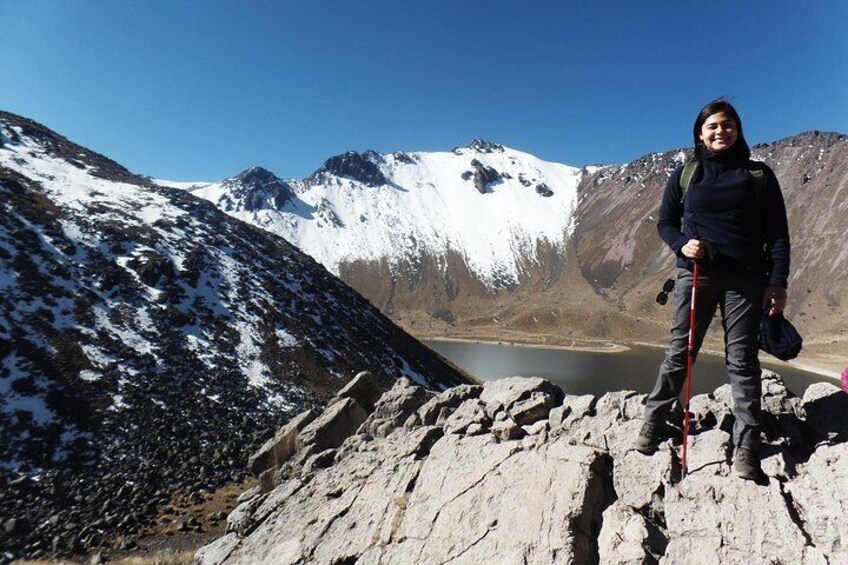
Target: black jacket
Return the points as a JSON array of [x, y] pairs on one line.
[[744, 229]]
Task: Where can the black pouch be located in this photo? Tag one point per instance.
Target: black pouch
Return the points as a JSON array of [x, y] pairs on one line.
[[779, 337]]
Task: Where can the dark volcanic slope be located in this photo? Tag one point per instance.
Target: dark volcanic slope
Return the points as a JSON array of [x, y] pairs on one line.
[[148, 341]]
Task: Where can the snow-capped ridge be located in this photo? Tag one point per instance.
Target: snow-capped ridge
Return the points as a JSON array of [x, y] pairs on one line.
[[491, 205], [23, 132]]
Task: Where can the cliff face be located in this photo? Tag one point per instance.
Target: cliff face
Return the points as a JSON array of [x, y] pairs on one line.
[[516, 471]]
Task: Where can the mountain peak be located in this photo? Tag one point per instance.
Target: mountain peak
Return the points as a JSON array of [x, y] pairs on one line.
[[483, 146], [257, 188], [257, 174], [478, 145], [361, 167]]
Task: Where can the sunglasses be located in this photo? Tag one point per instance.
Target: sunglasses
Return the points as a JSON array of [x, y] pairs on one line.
[[662, 297]]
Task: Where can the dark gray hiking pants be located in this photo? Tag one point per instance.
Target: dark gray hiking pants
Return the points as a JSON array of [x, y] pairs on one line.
[[739, 296]]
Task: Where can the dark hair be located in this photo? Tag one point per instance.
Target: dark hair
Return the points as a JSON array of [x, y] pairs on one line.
[[739, 149]]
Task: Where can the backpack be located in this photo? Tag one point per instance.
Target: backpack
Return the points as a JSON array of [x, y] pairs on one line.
[[756, 170]]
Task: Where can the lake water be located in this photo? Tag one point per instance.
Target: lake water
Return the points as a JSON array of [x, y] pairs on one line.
[[585, 372]]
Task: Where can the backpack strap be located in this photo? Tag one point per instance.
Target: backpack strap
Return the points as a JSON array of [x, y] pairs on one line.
[[689, 170], [756, 170]]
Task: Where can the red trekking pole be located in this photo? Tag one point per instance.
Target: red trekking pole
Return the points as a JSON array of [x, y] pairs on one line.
[[689, 362]]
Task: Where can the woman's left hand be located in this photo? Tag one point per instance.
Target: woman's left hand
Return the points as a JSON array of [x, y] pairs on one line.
[[776, 297]]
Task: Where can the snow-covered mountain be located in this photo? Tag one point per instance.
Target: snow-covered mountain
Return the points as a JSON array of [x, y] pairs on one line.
[[489, 242], [491, 205], [148, 339]]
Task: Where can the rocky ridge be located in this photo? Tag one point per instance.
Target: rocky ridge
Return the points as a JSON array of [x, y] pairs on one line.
[[515, 471]]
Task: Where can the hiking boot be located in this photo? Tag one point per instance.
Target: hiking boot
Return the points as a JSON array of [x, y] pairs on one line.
[[650, 436], [746, 465]]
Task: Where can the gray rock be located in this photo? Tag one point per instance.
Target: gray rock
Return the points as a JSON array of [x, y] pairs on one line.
[[777, 464], [464, 507], [710, 453], [450, 399], [503, 394], [821, 497], [714, 519], [240, 519], [267, 480], [507, 429], [777, 398], [567, 488], [557, 415], [537, 428], [713, 410], [364, 389], [279, 448], [825, 406], [217, 551], [470, 412], [475, 428], [639, 478], [249, 494], [533, 409], [340, 512], [333, 426], [623, 537], [395, 407], [319, 460], [613, 425], [578, 408]]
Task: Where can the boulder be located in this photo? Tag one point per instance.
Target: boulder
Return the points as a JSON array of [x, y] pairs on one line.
[[333, 426], [623, 537], [504, 394], [395, 407], [279, 448], [825, 406], [217, 551], [470, 413], [364, 388], [450, 399], [464, 506], [533, 409], [507, 429], [575, 408]]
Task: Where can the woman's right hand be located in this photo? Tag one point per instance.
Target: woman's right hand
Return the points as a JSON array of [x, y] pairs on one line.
[[693, 249]]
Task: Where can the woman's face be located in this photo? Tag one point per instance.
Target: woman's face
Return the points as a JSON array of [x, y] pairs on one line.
[[719, 132]]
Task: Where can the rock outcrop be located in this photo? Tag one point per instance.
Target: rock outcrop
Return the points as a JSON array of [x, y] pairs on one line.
[[362, 167], [515, 471]]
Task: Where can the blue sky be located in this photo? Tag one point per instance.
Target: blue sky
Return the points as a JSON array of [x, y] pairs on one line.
[[202, 90]]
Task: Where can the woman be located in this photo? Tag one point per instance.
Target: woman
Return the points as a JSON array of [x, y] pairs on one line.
[[733, 223]]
